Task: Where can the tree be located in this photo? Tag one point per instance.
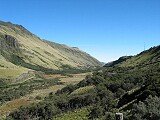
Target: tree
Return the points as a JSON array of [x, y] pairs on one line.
[[147, 110], [96, 112]]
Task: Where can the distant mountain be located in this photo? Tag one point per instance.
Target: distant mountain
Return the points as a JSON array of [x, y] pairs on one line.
[[21, 50], [149, 56], [120, 60], [103, 63]]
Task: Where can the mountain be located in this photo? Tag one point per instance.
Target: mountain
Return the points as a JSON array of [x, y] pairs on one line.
[[22, 51], [150, 56], [120, 60]]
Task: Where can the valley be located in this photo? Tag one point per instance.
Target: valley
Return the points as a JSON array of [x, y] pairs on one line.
[[31, 68], [39, 94], [121, 87], [44, 80]]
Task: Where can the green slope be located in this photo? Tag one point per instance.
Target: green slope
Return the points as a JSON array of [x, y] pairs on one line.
[[22, 50], [120, 60], [147, 57], [150, 56]]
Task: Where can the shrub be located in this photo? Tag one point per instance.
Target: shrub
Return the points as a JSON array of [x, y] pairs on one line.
[[147, 110]]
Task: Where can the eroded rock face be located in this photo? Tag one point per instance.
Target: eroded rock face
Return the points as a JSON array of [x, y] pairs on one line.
[[9, 43]]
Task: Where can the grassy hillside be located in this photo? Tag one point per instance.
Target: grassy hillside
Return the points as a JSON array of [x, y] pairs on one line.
[[151, 56], [21, 50], [131, 87], [120, 60], [143, 59]]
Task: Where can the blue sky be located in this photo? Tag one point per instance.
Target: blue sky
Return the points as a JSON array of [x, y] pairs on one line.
[[106, 29]]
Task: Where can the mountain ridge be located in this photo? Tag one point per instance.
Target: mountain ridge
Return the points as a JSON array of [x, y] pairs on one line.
[[145, 57], [24, 50]]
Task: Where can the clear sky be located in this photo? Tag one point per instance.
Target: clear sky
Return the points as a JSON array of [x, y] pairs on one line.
[[106, 29]]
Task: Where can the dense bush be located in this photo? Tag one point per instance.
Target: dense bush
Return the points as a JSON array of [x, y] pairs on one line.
[[16, 90], [147, 110], [42, 111]]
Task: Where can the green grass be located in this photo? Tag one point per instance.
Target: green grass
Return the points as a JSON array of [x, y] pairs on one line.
[[148, 56], [12, 73], [82, 90], [80, 114]]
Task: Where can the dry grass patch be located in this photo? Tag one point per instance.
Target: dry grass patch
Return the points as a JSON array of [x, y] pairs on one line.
[[67, 79], [13, 105], [12, 73], [44, 92]]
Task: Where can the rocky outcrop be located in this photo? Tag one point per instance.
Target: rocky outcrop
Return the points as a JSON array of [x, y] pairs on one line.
[[9, 43], [24, 76]]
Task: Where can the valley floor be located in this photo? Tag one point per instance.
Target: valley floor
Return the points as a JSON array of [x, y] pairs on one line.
[[10, 106]]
